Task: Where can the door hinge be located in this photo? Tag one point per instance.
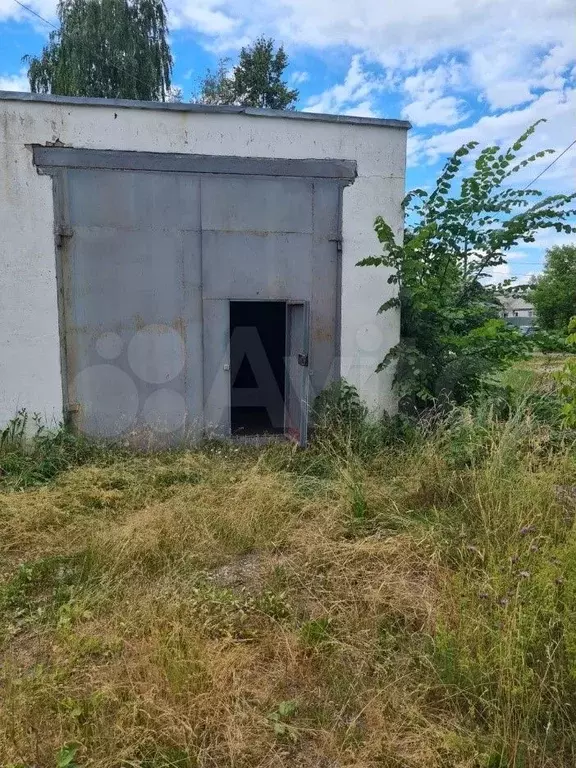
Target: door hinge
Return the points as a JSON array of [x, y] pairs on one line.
[[338, 241], [303, 360], [62, 235]]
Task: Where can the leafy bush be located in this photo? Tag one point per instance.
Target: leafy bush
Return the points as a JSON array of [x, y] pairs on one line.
[[342, 423], [340, 402], [451, 339], [552, 341]]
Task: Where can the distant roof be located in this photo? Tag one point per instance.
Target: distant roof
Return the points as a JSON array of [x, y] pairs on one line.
[[511, 303], [202, 109]]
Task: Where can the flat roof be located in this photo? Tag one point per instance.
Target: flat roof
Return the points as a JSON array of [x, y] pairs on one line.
[[201, 109]]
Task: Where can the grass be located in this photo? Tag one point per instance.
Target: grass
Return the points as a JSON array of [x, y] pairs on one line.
[[534, 374], [399, 598]]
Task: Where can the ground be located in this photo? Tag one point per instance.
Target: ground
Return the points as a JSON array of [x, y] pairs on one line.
[[385, 598]]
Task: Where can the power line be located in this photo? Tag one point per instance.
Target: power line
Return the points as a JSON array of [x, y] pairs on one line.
[[34, 13], [105, 61], [548, 166]]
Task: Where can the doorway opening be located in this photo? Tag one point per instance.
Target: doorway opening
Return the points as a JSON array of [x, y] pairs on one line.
[[257, 367]]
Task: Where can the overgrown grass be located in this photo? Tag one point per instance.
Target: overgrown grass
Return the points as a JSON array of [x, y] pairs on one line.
[[392, 596], [31, 453]]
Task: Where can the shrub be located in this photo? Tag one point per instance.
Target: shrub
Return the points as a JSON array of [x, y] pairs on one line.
[[550, 341], [343, 425], [451, 339]]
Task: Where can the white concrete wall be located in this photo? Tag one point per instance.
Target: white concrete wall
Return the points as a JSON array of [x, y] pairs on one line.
[[29, 337]]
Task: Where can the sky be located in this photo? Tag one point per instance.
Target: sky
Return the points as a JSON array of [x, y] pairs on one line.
[[459, 70]]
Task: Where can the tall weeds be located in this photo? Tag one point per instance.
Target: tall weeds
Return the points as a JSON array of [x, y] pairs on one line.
[[395, 595]]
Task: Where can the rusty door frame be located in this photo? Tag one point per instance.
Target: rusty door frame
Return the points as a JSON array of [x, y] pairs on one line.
[[302, 437], [228, 302], [62, 236], [303, 361]]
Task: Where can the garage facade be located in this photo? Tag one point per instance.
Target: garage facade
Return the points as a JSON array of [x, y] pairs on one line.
[[194, 292]]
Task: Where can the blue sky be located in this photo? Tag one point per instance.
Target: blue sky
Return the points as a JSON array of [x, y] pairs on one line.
[[457, 69]]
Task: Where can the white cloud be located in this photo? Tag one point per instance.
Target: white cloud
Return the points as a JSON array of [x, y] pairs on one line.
[[202, 15], [297, 78], [435, 79], [558, 59], [527, 277], [352, 97], [503, 272], [501, 72], [18, 82], [508, 52], [428, 102], [403, 35], [398, 34], [11, 10], [498, 274], [547, 239], [434, 110], [558, 107], [363, 109], [519, 255]]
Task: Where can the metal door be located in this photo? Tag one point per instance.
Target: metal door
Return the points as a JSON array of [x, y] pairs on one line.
[[148, 261], [129, 248], [297, 371]]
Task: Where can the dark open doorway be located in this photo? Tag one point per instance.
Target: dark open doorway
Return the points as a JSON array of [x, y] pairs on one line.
[[257, 367]]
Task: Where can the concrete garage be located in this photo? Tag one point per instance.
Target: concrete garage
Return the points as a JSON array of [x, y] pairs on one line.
[[170, 270]]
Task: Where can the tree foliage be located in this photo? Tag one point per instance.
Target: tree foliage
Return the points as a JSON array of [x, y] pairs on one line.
[[106, 48], [256, 81], [554, 295], [451, 334]]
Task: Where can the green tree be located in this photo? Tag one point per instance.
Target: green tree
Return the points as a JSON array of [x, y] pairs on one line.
[[115, 49], [256, 81], [554, 295], [218, 87], [451, 337]]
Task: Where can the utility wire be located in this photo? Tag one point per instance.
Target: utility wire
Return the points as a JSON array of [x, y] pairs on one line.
[[547, 167], [105, 61], [33, 12]]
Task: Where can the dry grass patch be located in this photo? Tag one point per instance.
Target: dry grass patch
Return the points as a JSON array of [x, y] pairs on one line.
[[273, 608]]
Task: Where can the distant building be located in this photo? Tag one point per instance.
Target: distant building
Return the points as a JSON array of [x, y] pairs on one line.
[[518, 312]]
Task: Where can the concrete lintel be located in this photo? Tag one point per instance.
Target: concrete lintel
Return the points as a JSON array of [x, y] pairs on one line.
[[66, 157]]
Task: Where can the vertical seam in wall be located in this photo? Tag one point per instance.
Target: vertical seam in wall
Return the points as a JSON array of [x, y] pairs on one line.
[[339, 259], [184, 315], [59, 198], [201, 288]]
